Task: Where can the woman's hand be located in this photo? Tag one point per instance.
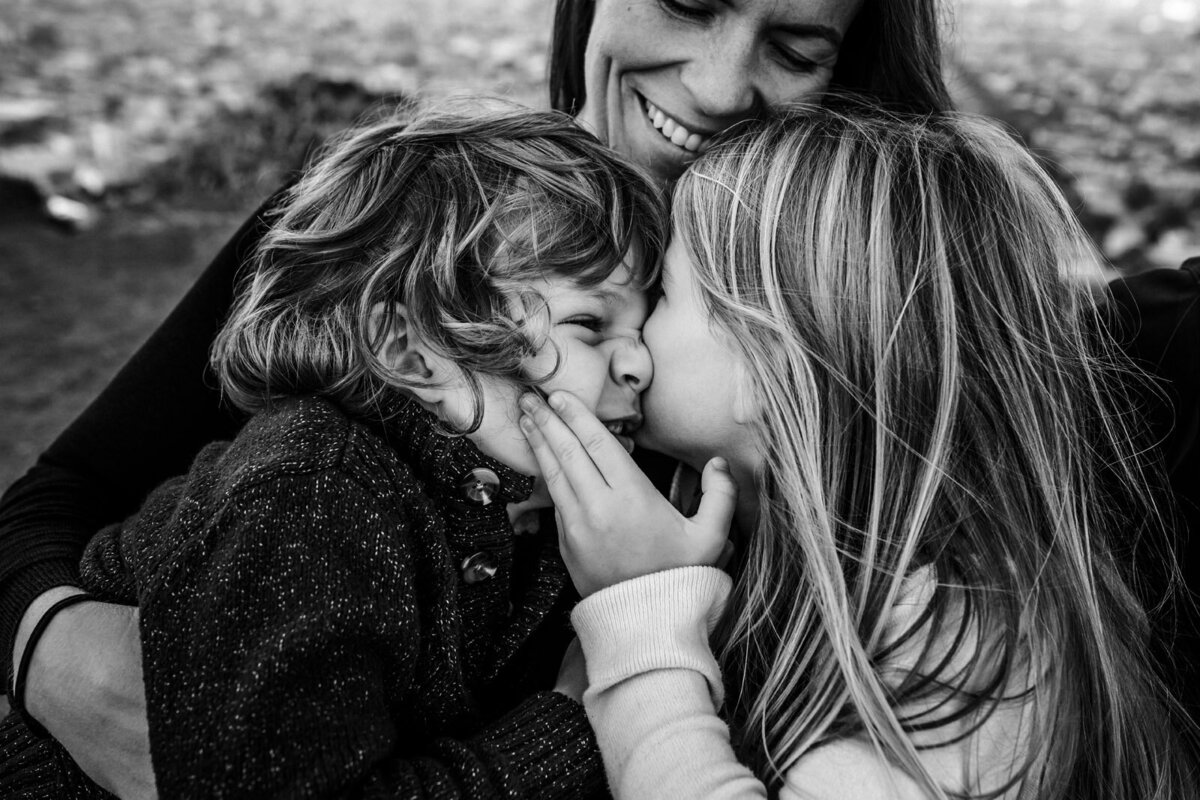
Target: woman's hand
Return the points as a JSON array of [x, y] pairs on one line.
[[613, 524], [85, 687]]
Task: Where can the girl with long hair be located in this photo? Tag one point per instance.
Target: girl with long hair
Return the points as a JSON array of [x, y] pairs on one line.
[[870, 323]]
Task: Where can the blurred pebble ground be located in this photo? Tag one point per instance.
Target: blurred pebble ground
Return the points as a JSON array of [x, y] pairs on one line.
[[123, 103]]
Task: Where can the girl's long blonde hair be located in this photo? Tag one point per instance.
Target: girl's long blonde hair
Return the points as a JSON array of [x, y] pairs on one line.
[[936, 392]]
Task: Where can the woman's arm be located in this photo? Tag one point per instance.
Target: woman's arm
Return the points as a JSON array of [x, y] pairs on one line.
[[1157, 319], [144, 427], [84, 679], [1156, 316]]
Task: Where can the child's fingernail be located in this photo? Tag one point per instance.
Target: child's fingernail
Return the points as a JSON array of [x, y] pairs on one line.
[[526, 423], [557, 401], [720, 464], [528, 402]]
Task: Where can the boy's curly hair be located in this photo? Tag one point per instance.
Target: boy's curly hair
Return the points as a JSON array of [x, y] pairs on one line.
[[454, 214]]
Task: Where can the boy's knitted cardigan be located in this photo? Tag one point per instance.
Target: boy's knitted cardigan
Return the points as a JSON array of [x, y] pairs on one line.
[[315, 622]]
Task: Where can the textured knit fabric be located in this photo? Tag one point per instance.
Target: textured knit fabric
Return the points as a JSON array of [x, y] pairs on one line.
[[308, 629], [654, 689], [1157, 317]]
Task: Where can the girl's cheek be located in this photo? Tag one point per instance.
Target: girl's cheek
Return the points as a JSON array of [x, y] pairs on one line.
[[650, 331]]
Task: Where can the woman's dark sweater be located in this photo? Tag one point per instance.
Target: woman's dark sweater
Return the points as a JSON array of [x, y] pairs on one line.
[[309, 630]]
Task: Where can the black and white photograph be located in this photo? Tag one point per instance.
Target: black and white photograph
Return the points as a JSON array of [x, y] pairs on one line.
[[631, 399]]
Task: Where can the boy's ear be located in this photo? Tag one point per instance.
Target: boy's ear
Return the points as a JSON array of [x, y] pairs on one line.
[[401, 350]]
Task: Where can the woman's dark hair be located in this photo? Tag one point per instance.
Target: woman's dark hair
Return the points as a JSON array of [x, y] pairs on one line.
[[892, 53]]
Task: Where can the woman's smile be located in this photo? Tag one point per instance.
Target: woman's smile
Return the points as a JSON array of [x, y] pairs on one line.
[[674, 131], [664, 76]]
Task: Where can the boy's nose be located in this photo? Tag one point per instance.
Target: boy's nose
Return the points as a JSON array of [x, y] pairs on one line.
[[631, 363]]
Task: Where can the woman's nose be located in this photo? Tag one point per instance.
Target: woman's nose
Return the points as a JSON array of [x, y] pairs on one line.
[[722, 81], [631, 364]]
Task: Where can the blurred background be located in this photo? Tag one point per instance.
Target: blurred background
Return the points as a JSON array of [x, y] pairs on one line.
[[135, 136]]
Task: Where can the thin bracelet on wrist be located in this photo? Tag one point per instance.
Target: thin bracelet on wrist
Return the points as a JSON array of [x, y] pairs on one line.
[[22, 675]]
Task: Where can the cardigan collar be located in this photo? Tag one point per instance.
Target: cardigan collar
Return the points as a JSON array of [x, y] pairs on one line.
[[444, 459]]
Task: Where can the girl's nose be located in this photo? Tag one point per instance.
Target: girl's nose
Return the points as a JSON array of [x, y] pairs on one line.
[[631, 364]]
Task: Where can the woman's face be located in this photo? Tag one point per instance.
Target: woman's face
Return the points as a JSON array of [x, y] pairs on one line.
[[663, 76], [698, 403]]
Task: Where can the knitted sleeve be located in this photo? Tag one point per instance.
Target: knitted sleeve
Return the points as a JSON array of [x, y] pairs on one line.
[[1157, 319], [273, 640], [1156, 316], [159, 410]]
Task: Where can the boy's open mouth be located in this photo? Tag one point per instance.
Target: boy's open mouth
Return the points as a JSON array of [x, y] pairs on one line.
[[623, 430]]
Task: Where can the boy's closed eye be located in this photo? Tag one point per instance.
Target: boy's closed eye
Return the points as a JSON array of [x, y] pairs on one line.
[[588, 321]]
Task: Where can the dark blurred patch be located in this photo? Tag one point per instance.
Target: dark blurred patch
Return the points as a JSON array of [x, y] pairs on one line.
[[245, 154], [44, 38], [20, 201]]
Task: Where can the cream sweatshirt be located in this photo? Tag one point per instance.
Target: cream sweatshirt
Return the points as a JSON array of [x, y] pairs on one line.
[[655, 689]]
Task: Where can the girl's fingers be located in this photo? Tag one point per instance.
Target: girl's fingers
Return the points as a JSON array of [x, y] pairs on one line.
[[601, 446], [556, 480], [718, 501], [571, 455]]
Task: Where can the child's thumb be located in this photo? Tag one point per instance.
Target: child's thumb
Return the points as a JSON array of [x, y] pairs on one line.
[[719, 499]]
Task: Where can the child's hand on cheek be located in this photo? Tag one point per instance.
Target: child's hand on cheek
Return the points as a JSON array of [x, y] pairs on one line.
[[613, 524]]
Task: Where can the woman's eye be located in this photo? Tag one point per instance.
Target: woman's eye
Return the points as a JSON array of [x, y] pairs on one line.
[[686, 9], [792, 60]]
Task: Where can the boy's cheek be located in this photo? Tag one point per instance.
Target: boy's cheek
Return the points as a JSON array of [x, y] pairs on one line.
[[582, 371]]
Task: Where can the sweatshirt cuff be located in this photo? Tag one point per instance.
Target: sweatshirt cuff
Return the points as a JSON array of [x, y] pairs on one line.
[[657, 621], [549, 747], [19, 592]]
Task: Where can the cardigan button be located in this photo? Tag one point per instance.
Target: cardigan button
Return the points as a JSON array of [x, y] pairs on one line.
[[479, 567], [480, 485]]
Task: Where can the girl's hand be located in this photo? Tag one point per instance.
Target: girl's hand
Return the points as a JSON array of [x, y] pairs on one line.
[[613, 524]]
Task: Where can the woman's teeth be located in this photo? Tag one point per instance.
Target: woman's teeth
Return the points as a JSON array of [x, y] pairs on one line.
[[674, 132]]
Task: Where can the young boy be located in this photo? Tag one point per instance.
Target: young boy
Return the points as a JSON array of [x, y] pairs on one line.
[[335, 603]]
